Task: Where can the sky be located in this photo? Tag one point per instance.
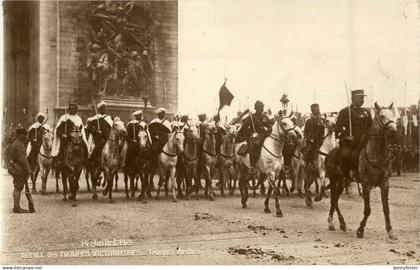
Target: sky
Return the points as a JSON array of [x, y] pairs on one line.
[[307, 49]]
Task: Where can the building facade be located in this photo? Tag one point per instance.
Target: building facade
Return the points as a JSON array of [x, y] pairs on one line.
[[57, 52]]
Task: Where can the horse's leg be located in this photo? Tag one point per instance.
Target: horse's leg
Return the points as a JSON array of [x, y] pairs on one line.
[[333, 190], [64, 180], [94, 179], [339, 190], [136, 187], [166, 183], [232, 180], [278, 210], [87, 180], [172, 176], [57, 176], [126, 183], [366, 212], [242, 185], [110, 179], [162, 174], [45, 173], [300, 176], [262, 188], [150, 184], [179, 179], [384, 196], [267, 199], [115, 175], [224, 176], [308, 182], [132, 176], [74, 186]]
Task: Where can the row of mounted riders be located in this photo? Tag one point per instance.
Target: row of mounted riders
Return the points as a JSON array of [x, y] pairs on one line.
[[189, 153]]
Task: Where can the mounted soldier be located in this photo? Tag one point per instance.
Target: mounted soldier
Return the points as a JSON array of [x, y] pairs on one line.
[[314, 132], [255, 128], [159, 129], [65, 126], [352, 132], [35, 133], [98, 128]]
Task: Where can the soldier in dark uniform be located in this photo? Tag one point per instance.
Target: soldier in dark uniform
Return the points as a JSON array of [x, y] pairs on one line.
[[314, 132], [201, 127], [18, 157], [352, 143], [255, 129]]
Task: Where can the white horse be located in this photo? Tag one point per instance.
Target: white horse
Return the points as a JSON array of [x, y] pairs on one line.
[[227, 160], [168, 158], [111, 156], [270, 162], [45, 159]]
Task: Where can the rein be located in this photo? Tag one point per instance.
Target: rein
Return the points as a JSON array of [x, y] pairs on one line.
[[226, 156], [207, 152], [169, 148]]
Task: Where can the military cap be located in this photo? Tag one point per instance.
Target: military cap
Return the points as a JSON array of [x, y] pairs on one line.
[[358, 92], [101, 104], [315, 105], [137, 112], [160, 110], [258, 104], [73, 106]]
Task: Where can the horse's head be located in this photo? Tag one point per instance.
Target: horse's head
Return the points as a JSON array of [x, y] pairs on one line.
[[76, 136], [287, 127], [48, 140], [211, 127], [232, 130], [177, 140], [330, 122], [192, 133], [386, 118], [143, 138], [119, 127]]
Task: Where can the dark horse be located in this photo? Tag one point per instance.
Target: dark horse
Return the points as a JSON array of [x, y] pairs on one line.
[[373, 167], [74, 160]]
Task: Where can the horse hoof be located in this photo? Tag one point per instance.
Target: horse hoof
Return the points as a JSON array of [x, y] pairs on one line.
[[222, 195], [211, 198], [157, 198], [44, 193], [175, 200], [279, 214], [266, 210], [343, 227], [95, 197], [359, 233], [331, 227], [244, 206], [104, 192], [34, 190], [301, 195], [392, 236], [89, 190], [292, 189], [57, 190], [111, 201], [64, 199], [140, 198], [318, 198], [73, 204], [149, 194], [133, 194]]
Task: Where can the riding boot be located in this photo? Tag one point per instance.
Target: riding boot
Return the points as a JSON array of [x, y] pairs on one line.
[[16, 202]]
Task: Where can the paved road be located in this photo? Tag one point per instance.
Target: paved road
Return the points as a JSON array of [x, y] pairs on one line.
[[203, 232]]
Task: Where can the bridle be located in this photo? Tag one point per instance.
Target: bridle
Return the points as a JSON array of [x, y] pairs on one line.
[[176, 152], [209, 132], [285, 132], [383, 127]]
